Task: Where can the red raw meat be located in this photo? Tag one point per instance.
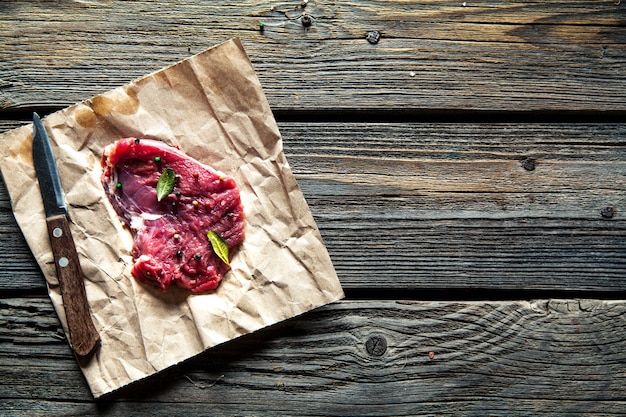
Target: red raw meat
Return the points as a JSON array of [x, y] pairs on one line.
[[170, 236]]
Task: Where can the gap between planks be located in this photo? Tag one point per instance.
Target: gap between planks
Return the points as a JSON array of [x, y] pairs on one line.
[[395, 115]]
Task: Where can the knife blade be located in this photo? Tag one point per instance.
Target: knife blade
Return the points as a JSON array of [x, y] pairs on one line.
[[82, 333]]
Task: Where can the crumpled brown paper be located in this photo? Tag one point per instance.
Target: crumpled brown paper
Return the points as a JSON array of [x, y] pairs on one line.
[[212, 106]]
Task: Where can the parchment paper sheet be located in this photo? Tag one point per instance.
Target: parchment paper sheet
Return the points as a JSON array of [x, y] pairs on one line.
[[212, 106]]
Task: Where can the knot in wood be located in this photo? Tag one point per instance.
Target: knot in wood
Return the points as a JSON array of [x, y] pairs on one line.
[[528, 164], [607, 212], [376, 345]]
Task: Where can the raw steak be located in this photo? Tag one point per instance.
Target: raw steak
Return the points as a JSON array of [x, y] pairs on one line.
[[170, 236]]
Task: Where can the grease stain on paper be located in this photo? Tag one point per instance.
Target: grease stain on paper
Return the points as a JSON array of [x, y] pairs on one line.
[[86, 117], [128, 106], [121, 101], [24, 151]]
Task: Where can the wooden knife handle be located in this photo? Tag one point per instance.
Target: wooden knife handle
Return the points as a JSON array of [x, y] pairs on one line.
[[83, 334]]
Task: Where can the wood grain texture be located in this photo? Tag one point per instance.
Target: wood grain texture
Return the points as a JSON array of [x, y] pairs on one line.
[[406, 209], [450, 205], [446, 206], [539, 357], [479, 55]]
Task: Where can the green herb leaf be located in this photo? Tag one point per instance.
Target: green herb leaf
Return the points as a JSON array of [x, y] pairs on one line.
[[166, 182], [219, 246]]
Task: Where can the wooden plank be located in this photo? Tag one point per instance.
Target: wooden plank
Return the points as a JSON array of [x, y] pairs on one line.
[[446, 206], [432, 55], [451, 206], [539, 357]]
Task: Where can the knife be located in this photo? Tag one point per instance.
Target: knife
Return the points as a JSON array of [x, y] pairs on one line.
[[82, 332]]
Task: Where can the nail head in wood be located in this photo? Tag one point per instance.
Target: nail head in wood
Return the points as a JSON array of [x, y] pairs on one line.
[[373, 36]]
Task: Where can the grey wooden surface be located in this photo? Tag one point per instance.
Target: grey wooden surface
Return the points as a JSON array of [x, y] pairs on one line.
[[452, 55], [539, 357], [460, 171]]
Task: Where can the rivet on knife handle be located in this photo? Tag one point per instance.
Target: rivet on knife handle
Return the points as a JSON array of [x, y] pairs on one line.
[[83, 334]]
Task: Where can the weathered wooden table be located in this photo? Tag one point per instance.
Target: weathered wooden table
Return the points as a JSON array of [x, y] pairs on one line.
[[467, 172]]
